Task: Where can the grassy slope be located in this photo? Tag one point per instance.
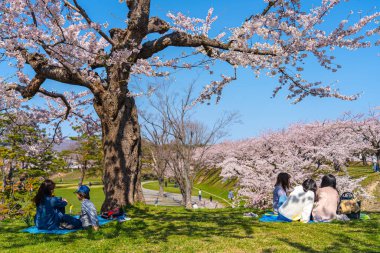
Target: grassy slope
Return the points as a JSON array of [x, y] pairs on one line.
[[371, 182], [160, 229], [207, 181]]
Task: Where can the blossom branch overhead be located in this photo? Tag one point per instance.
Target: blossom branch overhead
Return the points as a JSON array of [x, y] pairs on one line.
[[62, 43]]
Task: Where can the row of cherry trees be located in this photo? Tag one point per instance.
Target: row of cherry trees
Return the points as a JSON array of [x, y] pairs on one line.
[[302, 150]]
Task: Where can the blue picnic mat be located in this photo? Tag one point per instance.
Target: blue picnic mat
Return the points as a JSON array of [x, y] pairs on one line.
[[35, 230], [271, 217]]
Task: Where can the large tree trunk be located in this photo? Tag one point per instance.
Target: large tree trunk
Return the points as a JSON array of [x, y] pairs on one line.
[[122, 150]]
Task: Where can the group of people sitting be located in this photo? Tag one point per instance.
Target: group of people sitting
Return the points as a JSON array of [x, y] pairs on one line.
[[306, 202], [51, 215]]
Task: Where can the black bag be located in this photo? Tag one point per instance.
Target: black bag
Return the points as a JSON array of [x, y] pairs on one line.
[[349, 206], [111, 214]]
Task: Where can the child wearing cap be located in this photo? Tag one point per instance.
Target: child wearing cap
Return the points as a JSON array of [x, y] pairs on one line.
[[89, 216]]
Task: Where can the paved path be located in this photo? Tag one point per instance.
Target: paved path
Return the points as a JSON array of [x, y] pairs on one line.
[[217, 197], [174, 199]]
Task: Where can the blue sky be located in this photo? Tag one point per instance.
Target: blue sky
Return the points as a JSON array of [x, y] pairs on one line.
[[249, 96]]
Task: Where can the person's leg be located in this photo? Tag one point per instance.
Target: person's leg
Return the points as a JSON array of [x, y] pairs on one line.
[[76, 223]]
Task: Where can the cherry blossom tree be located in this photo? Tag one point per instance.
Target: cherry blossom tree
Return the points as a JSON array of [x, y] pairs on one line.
[[61, 42], [302, 150], [366, 129]]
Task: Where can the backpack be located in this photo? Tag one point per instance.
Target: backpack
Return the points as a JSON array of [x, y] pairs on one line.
[[111, 214], [349, 206]]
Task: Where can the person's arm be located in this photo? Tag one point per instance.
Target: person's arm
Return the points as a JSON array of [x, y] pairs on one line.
[[58, 202], [282, 199], [306, 212]]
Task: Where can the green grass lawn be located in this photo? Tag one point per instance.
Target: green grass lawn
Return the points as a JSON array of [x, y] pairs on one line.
[[67, 192], [174, 229], [360, 171]]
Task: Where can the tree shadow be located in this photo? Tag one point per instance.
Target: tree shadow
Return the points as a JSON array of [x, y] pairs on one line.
[[158, 225], [347, 241]]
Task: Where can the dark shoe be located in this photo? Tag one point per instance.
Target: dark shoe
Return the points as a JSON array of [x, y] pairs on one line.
[[65, 225]]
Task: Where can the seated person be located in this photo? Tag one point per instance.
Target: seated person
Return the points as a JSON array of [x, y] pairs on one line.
[[89, 216], [300, 202], [280, 190], [50, 213], [327, 200]]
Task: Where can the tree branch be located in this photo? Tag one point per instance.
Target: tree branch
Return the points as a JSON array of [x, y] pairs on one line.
[[89, 21], [265, 11], [43, 69], [34, 87], [157, 25], [57, 95], [181, 39], [269, 6]]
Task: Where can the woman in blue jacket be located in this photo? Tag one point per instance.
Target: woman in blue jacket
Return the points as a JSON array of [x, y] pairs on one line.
[[51, 210]]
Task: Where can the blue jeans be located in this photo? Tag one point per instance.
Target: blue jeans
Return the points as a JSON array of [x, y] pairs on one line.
[[70, 220]]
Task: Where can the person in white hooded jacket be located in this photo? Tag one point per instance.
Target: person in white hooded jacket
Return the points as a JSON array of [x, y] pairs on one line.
[[300, 203]]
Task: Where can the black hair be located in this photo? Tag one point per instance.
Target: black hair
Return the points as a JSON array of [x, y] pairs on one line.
[[328, 180], [84, 195], [283, 180], [46, 190], [309, 185]]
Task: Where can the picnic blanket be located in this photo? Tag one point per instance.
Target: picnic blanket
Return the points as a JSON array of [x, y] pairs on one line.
[[271, 217], [35, 230]]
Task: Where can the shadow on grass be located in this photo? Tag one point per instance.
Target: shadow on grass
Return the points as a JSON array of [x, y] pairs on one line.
[[157, 225], [346, 241]]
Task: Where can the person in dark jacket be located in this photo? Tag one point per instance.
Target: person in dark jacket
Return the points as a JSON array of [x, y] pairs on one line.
[[50, 213]]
